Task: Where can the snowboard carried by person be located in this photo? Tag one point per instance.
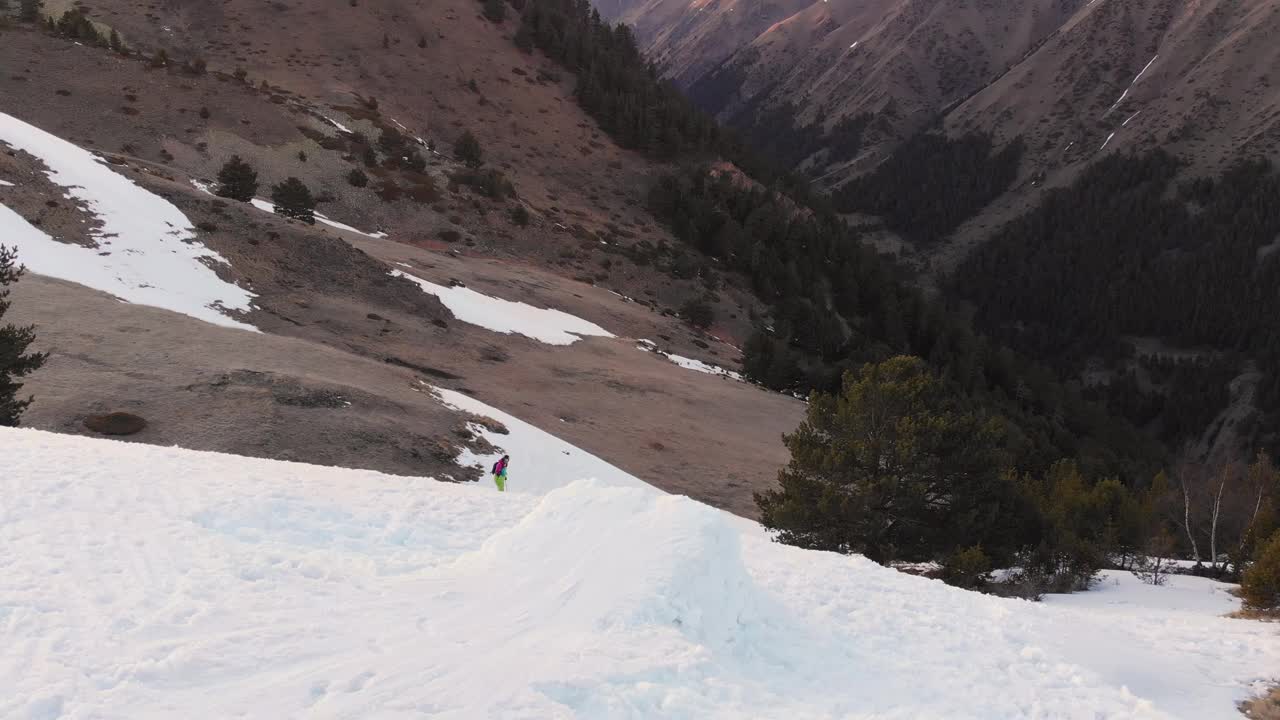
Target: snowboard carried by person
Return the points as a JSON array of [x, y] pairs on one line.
[[500, 473]]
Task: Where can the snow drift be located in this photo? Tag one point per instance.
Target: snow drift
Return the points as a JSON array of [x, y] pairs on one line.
[[146, 253]]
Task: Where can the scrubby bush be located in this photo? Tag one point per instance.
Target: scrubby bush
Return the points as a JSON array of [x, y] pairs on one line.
[[698, 313], [293, 199], [520, 215], [969, 568], [489, 182], [358, 178], [237, 180], [467, 149], [1260, 586]]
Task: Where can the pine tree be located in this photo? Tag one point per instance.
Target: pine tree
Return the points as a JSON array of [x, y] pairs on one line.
[[293, 199], [467, 149], [890, 468], [357, 178], [30, 10], [237, 180], [15, 361]]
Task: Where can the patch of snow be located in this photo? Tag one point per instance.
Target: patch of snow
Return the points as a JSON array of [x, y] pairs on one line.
[[204, 187], [335, 123], [335, 224], [139, 579], [1126, 120], [1121, 592], [552, 327], [268, 206], [146, 253], [1104, 142], [688, 363], [1144, 69], [854, 45], [4, 183]]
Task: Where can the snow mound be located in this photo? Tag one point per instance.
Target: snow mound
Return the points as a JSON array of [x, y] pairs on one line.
[[146, 251], [680, 567], [552, 327]]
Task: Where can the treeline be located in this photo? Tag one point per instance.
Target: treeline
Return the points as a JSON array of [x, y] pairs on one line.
[[1122, 251], [932, 183], [616, 84], [899, 466], [836, 305], [776, 134]]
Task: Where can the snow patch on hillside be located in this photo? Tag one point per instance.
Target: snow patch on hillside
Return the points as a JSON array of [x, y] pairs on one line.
[[552, 327], [540, 462], [689, 363], [139, 579], [146, 253], [4, 183]]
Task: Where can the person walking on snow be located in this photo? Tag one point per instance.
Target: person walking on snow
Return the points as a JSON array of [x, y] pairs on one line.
[[500, 473]]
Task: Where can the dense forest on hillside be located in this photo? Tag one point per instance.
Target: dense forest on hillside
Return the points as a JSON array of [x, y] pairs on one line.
[[932, 183], [837, 305], [1123, 252]]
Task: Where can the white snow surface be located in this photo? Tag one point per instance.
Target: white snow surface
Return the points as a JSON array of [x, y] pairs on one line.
[[146, 582], [689, 363], [147, 250], [4, 183], [549, 326]]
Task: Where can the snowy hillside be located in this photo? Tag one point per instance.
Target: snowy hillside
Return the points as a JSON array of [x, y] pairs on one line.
[[145, 582], [146, 249]]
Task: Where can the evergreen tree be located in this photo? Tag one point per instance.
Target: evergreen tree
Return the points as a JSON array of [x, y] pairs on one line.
[[495, 10], [30, 10], [237, 180], [357, 178], [467, 149], [15, 361], [892, 468], [293, 199]]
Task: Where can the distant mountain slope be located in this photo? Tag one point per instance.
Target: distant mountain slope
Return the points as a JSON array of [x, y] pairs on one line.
[[1052, 71]]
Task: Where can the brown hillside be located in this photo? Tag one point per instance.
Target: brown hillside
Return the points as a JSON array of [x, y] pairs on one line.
[[337, 326]]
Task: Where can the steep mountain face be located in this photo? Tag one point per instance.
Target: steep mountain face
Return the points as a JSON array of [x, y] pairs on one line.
[[1062, 74], [1194, 78], [941, 122]]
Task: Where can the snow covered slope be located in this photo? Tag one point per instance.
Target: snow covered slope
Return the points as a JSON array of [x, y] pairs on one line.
[[146, 252], [145, 582]]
